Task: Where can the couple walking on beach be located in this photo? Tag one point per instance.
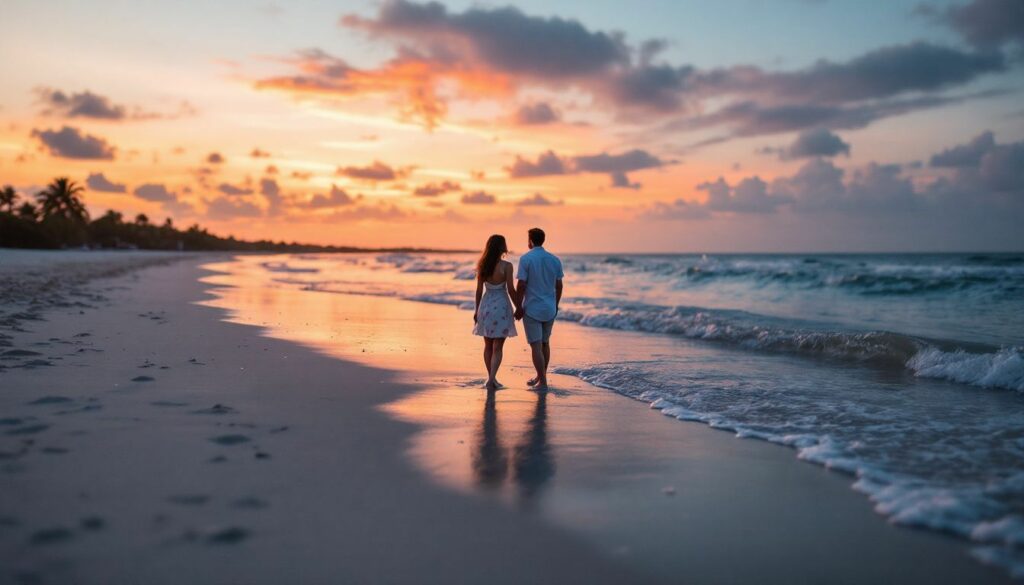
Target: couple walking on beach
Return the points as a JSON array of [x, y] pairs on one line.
[[500, 302]]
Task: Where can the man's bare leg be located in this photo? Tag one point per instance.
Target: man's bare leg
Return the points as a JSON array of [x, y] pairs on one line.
[[540, 365], [547, 360]]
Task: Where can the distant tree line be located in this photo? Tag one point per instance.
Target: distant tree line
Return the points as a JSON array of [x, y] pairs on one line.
[[58, 219]]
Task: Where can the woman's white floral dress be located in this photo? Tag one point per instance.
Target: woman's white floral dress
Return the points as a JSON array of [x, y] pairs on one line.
[[494, 317]]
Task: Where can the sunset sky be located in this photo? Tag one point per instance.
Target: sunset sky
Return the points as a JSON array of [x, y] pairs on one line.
[[740, 125]]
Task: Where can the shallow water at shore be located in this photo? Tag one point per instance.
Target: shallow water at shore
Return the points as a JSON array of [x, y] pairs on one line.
[[930, 453]]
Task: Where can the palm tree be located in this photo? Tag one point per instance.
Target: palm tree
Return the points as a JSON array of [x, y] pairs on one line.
[[7, 198], [27, 211], [61, 199], [112, 217]]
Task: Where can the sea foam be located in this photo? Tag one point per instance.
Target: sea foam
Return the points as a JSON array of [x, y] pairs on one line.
[[917, 472], [1000, 369]]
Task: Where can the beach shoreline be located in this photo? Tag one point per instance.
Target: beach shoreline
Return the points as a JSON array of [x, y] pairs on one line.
[[167, 444], [612, 454]]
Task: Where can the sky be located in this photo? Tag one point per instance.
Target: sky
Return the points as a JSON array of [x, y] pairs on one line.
[[657, 126]]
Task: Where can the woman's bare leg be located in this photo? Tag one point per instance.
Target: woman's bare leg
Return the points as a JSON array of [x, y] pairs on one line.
[[497, 345], [488, 351]]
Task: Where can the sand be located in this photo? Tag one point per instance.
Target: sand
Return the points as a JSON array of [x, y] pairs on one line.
[[165, 445]]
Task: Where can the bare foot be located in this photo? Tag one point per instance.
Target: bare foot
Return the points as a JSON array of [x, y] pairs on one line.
[[498, 384], [491, 385], [541, 387], [532, 382]]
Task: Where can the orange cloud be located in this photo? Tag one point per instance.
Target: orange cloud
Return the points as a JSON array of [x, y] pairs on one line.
[[422, 85]]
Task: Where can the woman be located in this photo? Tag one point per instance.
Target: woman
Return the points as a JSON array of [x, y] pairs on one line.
[[494, 311]]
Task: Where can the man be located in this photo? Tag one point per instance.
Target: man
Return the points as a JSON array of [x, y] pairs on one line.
[[539, 291]]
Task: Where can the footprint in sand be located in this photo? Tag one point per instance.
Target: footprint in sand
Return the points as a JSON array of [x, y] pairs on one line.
[[86, 408], [143, 379], [20, 353], [229, 439], [189, 499], [12, 421], [8, 455], [92, 523], [216, 409], [227, 535], [249, 503], [53, 535], [35, 364], [155, 316], [28, 430], [51, 400]]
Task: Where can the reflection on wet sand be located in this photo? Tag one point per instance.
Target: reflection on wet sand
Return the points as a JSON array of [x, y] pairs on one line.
[[532, 463], [490, 460], [532, 459], [506, 450]]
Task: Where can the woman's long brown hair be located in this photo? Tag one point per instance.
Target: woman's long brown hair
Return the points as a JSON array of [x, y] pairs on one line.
[[493, 251]]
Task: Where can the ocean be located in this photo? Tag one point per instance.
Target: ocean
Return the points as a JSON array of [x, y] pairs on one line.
[[904, 370]]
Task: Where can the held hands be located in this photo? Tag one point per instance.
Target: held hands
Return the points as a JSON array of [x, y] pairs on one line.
[[519, 313]]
